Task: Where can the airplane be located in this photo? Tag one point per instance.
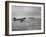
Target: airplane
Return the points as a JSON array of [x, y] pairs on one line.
[[20, 19]]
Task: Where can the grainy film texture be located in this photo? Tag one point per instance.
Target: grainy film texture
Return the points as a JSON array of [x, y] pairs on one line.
[[26, 18]]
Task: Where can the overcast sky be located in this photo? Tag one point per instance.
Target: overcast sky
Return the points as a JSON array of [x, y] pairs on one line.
[[19, 11]]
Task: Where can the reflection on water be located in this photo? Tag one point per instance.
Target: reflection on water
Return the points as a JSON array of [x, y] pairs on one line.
[[27, 24]]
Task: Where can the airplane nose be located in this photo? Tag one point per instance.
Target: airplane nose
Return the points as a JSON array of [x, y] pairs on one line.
[[14, 19]]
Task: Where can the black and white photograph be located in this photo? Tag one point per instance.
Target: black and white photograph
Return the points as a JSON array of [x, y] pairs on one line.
[[26, 18]]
